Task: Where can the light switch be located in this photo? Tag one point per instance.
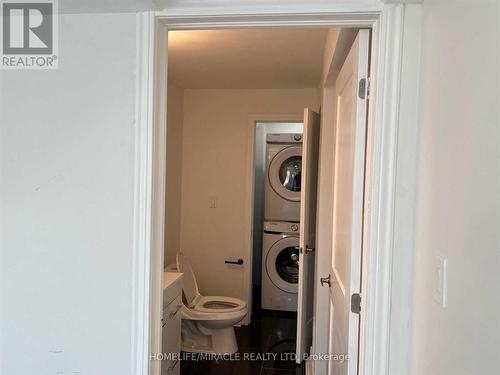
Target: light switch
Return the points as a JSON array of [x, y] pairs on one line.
[[441, 280], [212, 202]]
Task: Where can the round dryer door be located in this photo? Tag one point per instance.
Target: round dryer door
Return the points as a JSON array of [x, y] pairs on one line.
[[285, 172], [282, 264]]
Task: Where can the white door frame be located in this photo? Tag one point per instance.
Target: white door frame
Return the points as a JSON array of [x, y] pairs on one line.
[[386, 306]]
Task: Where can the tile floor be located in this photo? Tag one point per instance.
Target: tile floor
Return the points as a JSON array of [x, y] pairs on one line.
[[269, 332]]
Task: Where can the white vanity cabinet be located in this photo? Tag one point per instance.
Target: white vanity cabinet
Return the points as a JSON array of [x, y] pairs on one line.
[[171, 322]]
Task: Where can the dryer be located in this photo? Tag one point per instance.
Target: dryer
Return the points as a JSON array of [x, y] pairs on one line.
[[280, 266], [283, 177]]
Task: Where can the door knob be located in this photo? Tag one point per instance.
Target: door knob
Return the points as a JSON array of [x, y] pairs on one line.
[[325, 280], [306, 251], [309, 250]]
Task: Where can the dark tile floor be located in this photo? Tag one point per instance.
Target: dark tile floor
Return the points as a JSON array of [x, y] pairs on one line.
[[265, 347]]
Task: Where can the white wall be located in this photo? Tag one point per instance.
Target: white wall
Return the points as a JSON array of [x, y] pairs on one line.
[[175, 114], [458, 205], [66, 190], [215, 164]]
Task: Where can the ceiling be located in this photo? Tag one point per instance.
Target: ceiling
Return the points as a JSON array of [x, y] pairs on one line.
[[246, 58]]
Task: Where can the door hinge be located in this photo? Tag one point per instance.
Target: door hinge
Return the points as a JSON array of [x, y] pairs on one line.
[[326, 280], [364, 88], [356, 303]]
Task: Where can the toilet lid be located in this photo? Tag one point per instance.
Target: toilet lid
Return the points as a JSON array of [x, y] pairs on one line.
[[189, 285]]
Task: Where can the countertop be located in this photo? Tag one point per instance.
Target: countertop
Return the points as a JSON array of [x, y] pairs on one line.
[[171, 278]]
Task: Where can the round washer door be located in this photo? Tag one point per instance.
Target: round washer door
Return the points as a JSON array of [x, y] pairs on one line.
[[282, 264], [285, 172]]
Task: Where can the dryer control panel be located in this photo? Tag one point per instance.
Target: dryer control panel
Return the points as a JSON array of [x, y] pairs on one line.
[[284, 138], [281, 227]]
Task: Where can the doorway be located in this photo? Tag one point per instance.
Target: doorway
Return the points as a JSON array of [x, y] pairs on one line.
[[216, 101], [219, 190], [262, 129], [386, 90]]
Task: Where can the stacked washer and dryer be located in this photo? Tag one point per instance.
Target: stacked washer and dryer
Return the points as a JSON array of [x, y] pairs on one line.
[[280, 255]]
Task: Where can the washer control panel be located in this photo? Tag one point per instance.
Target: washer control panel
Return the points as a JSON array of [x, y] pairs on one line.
[[281, 227]]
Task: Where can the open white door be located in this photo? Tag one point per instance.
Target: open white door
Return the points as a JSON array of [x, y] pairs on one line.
[[310, 152], [350, 144]]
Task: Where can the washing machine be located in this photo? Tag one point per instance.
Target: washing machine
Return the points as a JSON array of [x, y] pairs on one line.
[[283, 177], [280, 266]]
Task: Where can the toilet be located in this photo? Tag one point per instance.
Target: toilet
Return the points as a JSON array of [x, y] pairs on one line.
[[207, 321]]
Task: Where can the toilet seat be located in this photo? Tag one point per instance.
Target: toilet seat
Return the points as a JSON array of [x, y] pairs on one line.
[[219, 304], [206, 314], [200, 307]]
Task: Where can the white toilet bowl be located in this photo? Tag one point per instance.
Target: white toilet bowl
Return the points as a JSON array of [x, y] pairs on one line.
[[207, 321]]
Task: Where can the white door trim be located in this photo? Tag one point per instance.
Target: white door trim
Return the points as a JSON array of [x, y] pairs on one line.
[[143, 188], [386, 149]]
